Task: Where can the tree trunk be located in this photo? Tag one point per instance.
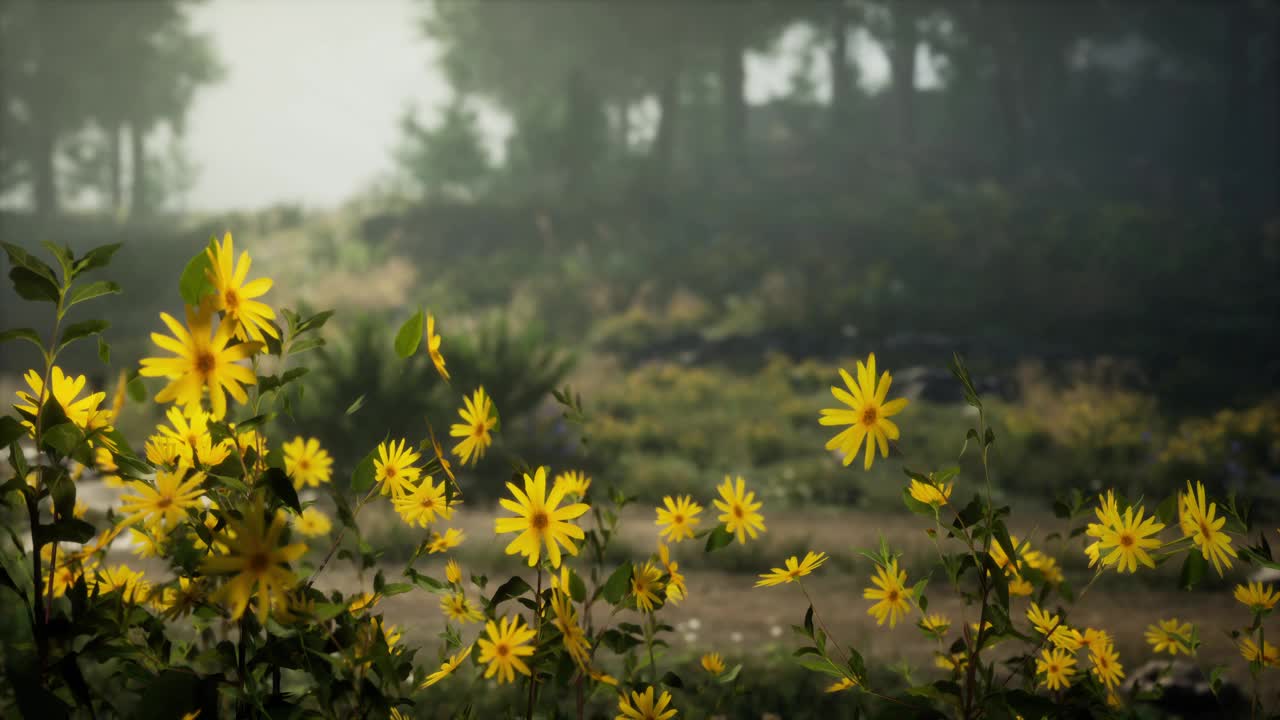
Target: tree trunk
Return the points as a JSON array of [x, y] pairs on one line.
[[137, 140], [733, 101], [838, 60], [906, 37]]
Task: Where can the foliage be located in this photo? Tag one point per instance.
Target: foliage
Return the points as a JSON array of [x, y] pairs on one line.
[[236, 624]]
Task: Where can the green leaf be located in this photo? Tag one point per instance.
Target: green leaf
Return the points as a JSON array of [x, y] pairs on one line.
[[615, 588], [719, 537], [282, 487], [915, 505], [363, 477], [396, 589], [62, 255], [70, 529], [137, 390], [808, 621], [10, 430], [174, 693], [513, 588], [23, 259], [62, 489], [355, 406], [104, 351], [64, 438], [194, 283], [409, 336], [27, 334], [82, 329], [426, 582], [729, 675], [95, 258], [1167, 511], [1006, 543], [315, 322], [31, 286], [672, 680], [91, 291], [577, 588], [1193, 569]]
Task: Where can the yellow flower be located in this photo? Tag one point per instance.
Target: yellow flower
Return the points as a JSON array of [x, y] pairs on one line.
[[676, 590], [540, 520], [165, 505], [504, 647], [423, 504], [453, 572], [601, 677], [84, 413], [841, 685], [105, 463], [679, 519], [936, 495], [191, 715], [146, 546], [642, 707], [955, 662], [446, 668], [456, 607], [739, 511], [362, 602], [1019, 585], [867, 415], [1092, 638], [794, 570], [451, 539], [1257, 596], [573, 482], [255, 556], [210, 455], [1129, 541], [251, 318], [69, 571], [935, 624], [571, 633], [180, 601], [1057, 666], [891, 593], [133, 587], [307, 463], [433, 347], [477, 420], [713, 663], [163, 451], [394, 468], [186, 427], [312, 523], [440, 456], [1170, 636], [1106, 665], [203, 360], [1269, 657], [646, 583], [1200, 523]]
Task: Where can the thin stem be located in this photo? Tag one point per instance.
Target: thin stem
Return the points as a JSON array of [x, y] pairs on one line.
[[648, 641], [338, 540], [537, 632], [40, 608]]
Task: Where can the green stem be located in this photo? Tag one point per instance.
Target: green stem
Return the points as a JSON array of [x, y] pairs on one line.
[[648, 641], [537, 632]]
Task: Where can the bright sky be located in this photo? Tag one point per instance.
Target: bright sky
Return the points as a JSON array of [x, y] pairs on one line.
[[310, 106]]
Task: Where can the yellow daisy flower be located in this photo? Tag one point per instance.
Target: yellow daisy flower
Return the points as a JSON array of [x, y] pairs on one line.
[[256, 558], [163, 451], [646, 583], [713, 663], [131, 584], [312, 523], [891, 593], [446, 668], [453, 572], [433, 347], [540, 520], [1200, 523], [166, 504], [394, 467], [83, 412], [679, 519], [1057, 666], [456, 607], [477, 422], [867, 415], [451, 539], [642, 706], [1130, 540], [204, 359], [233, 296], [1257, 596], [1170, 636], [146, 545], [739, 510], [502, 650], [573, 482], [794, 570], [362, 602], [571, 633], [935, 624], [936, 495], [421, 506], [1092, 638], [1269, 657], [841, 685], [307, 463], [675, 589], [1106, 665]]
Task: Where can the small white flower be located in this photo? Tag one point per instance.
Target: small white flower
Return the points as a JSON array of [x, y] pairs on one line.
[[775, 631], [695, 624], [691, 638], [735, 636]]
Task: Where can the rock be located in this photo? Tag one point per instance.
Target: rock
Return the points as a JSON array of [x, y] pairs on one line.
[[1183, 691]]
